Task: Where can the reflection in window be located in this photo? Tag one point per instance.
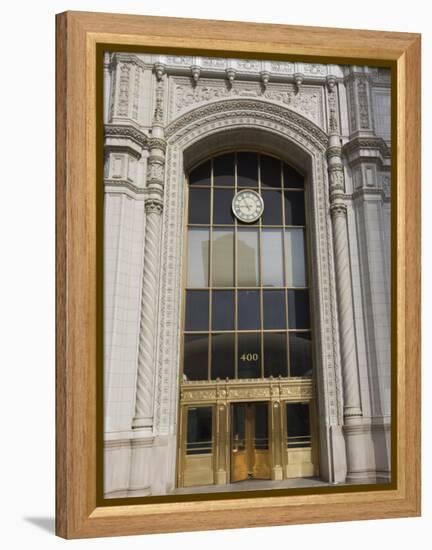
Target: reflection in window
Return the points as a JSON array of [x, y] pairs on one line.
[[199, 205], [198, 257], [246, 300], [249, 310], [223, 257], [195, 361], [247, 257], [197, 310], [275, 354], [272, 257], [247, 170], [199, 430], [223, 310], [249, 355], [298, 425], [222, 356], [295, 257], [223, 170], [300, 347]]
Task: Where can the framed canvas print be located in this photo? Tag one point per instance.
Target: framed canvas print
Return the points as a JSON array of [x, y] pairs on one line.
[[237, 274]]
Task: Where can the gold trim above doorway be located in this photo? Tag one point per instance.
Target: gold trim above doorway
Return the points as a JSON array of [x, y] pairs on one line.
[[215, 465]]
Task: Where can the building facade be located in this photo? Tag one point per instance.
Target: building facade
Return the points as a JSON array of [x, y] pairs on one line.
[[246, 272]]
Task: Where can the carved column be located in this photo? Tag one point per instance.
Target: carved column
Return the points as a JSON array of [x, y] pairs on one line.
[[153, 207], [351, 388]]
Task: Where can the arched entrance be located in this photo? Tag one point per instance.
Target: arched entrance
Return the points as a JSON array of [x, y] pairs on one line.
[[273, 130]]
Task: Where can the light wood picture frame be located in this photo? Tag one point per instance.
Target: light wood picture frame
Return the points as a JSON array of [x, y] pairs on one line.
[[81, 38]]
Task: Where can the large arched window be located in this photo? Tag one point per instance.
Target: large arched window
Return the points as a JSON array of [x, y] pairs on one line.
[[246, 303]]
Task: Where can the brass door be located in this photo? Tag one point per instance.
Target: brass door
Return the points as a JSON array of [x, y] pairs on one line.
[[250, 456]]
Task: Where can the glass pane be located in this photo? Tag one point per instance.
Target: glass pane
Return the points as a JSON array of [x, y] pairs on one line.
[[222, 206], [261, 425], [198, 257], [199, 430], [223, 257], [223, 310], [292, 178], [201, 174], [274, 309], [239, 426], [272, 257], [249, 355], [199, 205], [295, 257], [298, 309], [275, 354], [195, 365], [300, 352], [247, 170], [223, 170], [272, 214], [222, 356], [247, 257], [270, 171], [294, 208], [248, 305], [298, 425], [197, 310]]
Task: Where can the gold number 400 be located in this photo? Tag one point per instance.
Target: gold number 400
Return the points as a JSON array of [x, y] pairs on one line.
[[249, 357]]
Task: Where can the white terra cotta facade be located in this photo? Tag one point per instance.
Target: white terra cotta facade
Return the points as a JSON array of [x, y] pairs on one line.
[[164, 114]]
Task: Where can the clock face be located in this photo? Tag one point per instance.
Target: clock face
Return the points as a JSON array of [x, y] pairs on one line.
[[248, 206]]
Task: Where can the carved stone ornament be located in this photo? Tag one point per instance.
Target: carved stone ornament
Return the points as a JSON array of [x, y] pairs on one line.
[[195, 70], [153, 205], [338, 209], [298, 79], [230, 73], [155, 171], [159, 69], [127, 132]]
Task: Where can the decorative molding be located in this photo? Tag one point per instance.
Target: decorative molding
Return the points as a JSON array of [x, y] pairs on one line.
[[126, 132], [358, 143], [249, 108], [308, 103]]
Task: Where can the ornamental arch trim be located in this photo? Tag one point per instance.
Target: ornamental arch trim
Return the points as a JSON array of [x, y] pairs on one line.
[[207, 130]]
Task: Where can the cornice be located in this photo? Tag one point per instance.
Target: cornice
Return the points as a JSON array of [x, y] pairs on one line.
[[128, 132], [371, 143]]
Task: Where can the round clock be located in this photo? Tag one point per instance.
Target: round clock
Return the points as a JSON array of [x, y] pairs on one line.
[[247, 205]]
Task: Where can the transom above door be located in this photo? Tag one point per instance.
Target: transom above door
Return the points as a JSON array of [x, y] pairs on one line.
[[246, 295]]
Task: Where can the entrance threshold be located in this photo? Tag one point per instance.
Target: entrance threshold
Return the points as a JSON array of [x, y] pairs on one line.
[[253, 485]]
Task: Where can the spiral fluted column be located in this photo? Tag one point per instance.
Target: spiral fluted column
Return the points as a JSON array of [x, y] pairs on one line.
[[146, 372], [146, 347], [355, 438]]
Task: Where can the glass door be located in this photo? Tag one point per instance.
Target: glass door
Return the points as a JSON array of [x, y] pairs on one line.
[[250, 458]]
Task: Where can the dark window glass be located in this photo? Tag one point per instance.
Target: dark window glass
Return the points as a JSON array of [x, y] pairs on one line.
[[275, 354], [298, 425], [222, 356], [199, 205], [274, 309], [300, 352], [201, 174], [292, 178], [249, 355], [249, 317], [298, 309], [197, 310], [223, 170], [270, 171], [195, 365], [247, 170], [223, 310], [222, 206], [261, 425], [294, 208], [272, 214], [199, 430]]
